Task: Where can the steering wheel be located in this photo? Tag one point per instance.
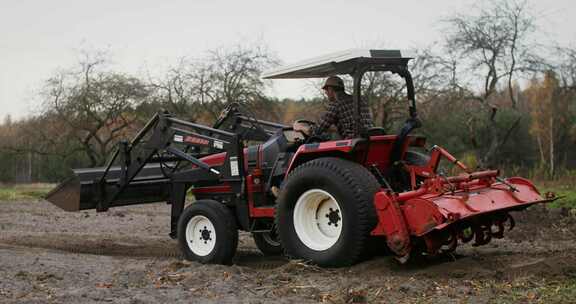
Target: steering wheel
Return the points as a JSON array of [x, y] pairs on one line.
[[306, 121], [303, 126]]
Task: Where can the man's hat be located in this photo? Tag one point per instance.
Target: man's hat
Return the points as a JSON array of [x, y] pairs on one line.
[[333, 81]]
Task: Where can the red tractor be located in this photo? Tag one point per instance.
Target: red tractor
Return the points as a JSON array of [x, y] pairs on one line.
[[323, 201]]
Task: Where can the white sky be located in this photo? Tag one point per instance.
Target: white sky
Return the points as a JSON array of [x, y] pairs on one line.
[[39, 37]]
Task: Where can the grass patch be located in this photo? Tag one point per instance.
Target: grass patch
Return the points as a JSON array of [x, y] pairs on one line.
[[544, 291], [567, 194], [18, 192]]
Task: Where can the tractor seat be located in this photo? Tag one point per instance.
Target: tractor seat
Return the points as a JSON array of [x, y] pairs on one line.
[[376, 131]]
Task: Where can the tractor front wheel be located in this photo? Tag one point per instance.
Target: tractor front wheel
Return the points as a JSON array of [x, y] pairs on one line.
[[207, 233], [326, 211]]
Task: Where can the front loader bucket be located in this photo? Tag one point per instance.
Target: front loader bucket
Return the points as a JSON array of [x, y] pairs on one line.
[[84, 191]]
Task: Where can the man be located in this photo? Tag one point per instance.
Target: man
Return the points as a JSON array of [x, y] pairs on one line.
[[340, 111]]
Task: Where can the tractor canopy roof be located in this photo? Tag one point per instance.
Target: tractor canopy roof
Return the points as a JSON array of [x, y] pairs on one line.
[[344, 62]]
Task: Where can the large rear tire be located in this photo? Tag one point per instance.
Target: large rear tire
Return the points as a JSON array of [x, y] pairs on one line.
[[326, 211], [207, 233]]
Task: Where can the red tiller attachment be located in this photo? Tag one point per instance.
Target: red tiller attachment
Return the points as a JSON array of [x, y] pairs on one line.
[[445, 210]]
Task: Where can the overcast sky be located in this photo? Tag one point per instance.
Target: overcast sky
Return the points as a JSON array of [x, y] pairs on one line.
[[38, 37]]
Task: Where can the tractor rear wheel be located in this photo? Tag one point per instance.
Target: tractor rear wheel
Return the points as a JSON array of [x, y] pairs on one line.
[[207, 233], [326, 211]]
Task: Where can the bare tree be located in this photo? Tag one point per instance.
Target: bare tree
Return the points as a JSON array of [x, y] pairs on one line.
[[197, 87], [565, 70], [386, 92], [93, 107], [494, 43], [565, 67], [178, 90]]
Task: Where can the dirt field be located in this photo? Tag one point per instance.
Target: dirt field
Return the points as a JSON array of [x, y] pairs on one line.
[[125, 256]]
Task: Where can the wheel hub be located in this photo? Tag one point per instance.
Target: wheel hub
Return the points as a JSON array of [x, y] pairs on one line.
[[200, 235], [318, 219], [333, 217], [205, 235]]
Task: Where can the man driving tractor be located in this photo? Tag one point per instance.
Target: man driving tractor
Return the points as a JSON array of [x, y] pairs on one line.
[[340, 111]]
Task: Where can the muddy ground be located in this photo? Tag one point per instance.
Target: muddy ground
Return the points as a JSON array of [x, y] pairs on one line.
[[125, 256]]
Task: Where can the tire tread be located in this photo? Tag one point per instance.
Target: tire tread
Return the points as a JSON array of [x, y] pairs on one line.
[[362, 185]]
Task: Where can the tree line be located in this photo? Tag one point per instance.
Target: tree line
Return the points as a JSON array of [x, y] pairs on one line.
[[489, 92]]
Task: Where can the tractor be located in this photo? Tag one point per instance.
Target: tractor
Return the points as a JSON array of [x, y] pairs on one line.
[[321, 200]]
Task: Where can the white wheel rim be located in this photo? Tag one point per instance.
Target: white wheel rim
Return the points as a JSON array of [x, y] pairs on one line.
[[318, 219], [200, 235]]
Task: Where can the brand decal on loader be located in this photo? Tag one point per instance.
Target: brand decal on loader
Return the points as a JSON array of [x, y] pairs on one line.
[[196, 140], [234, 166], [218, 144], [313, 146]]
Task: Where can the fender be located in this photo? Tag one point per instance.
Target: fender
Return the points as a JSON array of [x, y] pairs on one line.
[[367, 151], [307, 152], [392, 224]]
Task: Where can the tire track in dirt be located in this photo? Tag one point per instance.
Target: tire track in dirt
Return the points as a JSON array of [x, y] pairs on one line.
[[497, 258], [88, 244], [124, 247], [542, 243]]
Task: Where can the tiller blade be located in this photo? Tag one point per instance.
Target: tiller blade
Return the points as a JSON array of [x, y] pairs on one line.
[[443, 211]]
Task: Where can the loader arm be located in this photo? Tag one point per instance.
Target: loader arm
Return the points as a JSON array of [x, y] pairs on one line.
[[238, 119], [166, 151], [167, 133]]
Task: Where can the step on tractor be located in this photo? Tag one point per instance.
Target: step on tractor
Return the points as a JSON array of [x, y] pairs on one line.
[[328, 202]]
